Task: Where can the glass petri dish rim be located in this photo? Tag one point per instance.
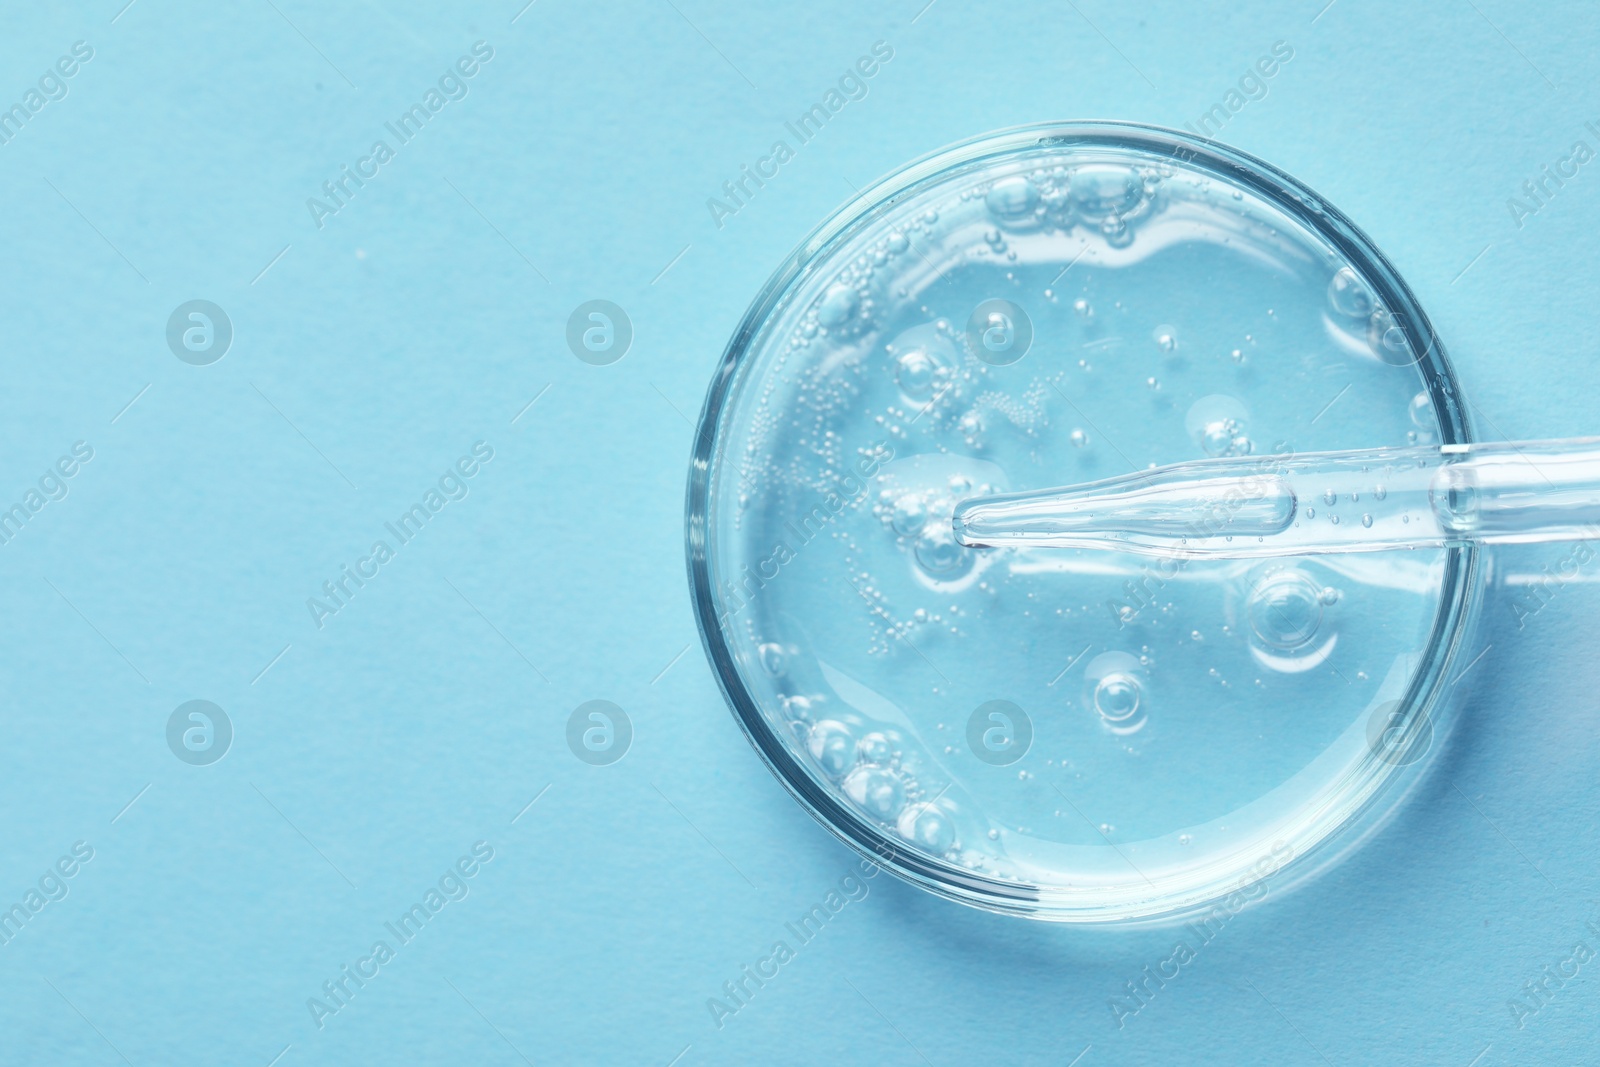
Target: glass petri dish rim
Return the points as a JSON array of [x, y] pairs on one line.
[[1355, 805]]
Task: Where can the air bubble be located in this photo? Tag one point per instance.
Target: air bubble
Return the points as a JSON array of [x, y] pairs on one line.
[[1106, 190], [1113, 687], [928, 827], [874, 748], [1422, 411], [1012, 199], [916, 372], [1116, 698], [1216, 423], [1285, 610], [938, 553], [1349, 295], [839, 303], [880, 792], [800, 709], [909, 515], [833, 747]]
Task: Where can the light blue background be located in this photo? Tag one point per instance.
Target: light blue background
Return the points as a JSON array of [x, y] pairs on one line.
[[421, 719]]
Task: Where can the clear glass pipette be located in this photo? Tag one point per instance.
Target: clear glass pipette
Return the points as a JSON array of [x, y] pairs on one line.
[[1363, 500]]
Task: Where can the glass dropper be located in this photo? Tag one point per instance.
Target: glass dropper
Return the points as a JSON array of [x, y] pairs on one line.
[[1362, 500]]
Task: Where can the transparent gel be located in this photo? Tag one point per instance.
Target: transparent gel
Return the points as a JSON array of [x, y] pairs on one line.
[[1080, 721]]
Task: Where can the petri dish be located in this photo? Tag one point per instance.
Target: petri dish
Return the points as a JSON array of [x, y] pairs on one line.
[[1072, 735]]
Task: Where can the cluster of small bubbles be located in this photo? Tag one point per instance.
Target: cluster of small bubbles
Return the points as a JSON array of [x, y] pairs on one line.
[[1217, 423], [1224, 438], [971, 427], [1027, 413]]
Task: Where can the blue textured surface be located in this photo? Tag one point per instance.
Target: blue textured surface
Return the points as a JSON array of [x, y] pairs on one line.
[[426, 714]]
